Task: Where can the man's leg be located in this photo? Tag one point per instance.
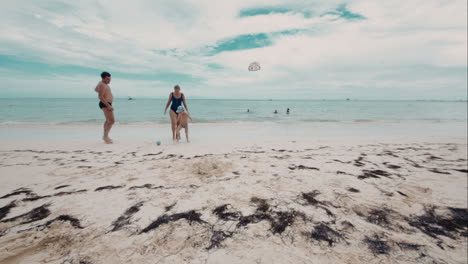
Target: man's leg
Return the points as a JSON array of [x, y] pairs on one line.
[[108, 124]]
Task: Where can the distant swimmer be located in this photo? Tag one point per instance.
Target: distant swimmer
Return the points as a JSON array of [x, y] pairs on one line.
[[276, 111], [248, 110], [287, 111], [105, 103]]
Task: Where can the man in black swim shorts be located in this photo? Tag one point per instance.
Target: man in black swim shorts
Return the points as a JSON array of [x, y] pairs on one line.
[[105, 103]]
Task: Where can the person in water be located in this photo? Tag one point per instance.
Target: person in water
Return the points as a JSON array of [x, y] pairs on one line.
[[182, 122], [287, 111], [176, 99], [105, 103], [276, 111]]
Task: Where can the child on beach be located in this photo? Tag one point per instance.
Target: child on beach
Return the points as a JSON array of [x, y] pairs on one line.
[[182, 117]]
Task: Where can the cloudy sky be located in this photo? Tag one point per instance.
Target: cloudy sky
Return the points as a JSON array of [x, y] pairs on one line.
[[363, 49]]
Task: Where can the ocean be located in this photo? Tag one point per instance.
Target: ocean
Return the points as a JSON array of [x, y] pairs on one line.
[[138, 111]]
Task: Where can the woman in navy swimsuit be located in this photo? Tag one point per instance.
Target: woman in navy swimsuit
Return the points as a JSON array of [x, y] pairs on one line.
[[177, 98]]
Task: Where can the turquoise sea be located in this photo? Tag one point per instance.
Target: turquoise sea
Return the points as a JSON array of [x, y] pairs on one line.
[[76, 111]]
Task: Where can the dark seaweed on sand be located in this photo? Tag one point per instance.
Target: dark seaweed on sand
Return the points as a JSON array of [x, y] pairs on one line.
[[379, 217], [146, 186], [262, 204], [323, 232], [281, 220], [217, 237], [6, 209], [434, 225], [310, 198], [35, 197], [18, 192], [377, 245], [60, 187], [191, 216], [302, 167], [351, 189], [124, 219], [35, 214], [408, 246], [223, 213], [64, 218], [169, 207], [373, 174], [253, 218], [108, 187]]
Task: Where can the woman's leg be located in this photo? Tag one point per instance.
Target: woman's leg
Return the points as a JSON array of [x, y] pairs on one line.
[[173, 123]]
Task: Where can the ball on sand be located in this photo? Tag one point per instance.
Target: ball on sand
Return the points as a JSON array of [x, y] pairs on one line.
[[158, 142]]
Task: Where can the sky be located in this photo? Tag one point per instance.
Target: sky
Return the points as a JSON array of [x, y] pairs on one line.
[[359, 49]]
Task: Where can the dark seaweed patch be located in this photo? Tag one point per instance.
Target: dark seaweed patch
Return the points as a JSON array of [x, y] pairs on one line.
[[224, 214], [391, 166], [408, 246], [402, 193], [262, 204], [18, 192], [435, 170], [217, 237], [448, 225], [465, 171], [373, 174], [147, 186], [358, 162], [35, 214], [253, 218], [281, 220], [310, 198], [65, 218], [124, 219], [150, 154], [351, 189], [6, 209], [379, 217], [60, 187], [340, 161], [108, 187], [169, 207], [322, 232], [68, 193], [377, 245], [191, 216], [302, 167], [35, 198]]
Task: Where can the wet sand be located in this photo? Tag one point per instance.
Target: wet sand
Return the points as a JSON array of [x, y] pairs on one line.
[[323, 200]]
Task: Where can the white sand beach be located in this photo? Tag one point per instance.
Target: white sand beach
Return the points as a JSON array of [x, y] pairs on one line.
[[324, 199]]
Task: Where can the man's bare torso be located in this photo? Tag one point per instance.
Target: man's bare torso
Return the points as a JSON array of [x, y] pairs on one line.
[[105, 90]]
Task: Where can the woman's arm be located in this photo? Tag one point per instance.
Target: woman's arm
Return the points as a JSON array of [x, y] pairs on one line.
[[185, 103], [168, 102]]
